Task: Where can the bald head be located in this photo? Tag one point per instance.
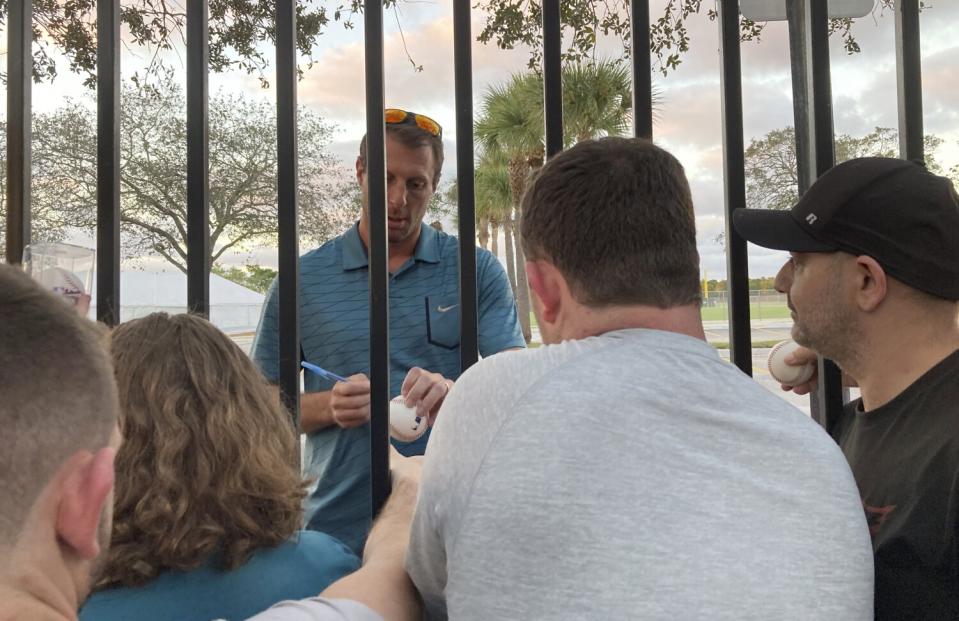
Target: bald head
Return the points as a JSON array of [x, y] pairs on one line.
[[57, 393]]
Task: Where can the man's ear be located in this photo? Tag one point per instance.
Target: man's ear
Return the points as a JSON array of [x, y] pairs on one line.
[[360, 170], [546, 283], [872, 284], [84, 492]]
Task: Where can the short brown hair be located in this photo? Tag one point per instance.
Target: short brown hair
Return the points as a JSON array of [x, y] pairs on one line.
[[412, 137], [615, 216], [57, 394], [207, 469]]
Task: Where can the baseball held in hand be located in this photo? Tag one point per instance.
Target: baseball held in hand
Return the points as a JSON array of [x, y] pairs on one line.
[[786, 373], [404, 424], [62, 282]]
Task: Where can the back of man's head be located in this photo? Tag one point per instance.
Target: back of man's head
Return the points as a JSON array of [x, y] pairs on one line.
[[615, 216], [57, 394]]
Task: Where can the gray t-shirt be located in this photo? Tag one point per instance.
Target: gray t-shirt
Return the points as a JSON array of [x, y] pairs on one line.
[[318, 609], [634, 475]]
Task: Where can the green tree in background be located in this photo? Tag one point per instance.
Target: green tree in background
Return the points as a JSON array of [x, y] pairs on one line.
[[153, 173], [494, 207], [251, 276], [771, 172]]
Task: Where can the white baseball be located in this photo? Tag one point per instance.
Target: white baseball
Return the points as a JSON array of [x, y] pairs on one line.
[[404, 425], [788, 374], [61, 281]]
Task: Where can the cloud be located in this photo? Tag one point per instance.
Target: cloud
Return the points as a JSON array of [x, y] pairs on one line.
[[336, 84]]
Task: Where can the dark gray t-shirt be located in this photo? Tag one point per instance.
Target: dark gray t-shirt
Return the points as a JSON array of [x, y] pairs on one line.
[[634, 475]]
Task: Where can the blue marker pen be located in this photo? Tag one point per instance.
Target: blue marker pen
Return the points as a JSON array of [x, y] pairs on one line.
[[323, 372]]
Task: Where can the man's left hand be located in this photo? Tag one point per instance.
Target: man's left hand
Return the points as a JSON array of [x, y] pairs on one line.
[[425, 391]]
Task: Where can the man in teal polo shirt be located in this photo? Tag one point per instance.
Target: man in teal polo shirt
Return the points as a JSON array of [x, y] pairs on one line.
[[424, 326]]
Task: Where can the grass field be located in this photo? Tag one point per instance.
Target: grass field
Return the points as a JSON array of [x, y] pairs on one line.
[[772, 310]]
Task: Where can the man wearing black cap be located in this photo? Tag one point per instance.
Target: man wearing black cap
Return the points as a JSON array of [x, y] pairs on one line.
[[873, 283]]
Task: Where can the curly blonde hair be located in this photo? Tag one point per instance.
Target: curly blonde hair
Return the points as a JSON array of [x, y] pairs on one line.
[[207, 466]]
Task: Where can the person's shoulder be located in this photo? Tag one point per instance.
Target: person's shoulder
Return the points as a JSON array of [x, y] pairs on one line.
[[313, 544], [324, 251], [523, 367], [447, 246]]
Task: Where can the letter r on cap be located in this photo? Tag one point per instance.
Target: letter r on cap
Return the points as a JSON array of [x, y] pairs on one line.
[[811, 218]]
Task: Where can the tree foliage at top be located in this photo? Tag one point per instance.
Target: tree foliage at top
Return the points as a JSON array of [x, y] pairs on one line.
[[237, 28], [519, 22]]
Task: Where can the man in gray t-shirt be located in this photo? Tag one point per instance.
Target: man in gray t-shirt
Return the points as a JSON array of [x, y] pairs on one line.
[[625, 470]]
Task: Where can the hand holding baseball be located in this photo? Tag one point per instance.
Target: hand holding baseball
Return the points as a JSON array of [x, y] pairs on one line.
[[794, 367], [425, 391]]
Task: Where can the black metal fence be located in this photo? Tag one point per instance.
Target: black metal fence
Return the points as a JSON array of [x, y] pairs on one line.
[[814, 137]]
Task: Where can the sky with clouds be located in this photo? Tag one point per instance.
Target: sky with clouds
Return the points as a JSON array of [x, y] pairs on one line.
[[688, 119]]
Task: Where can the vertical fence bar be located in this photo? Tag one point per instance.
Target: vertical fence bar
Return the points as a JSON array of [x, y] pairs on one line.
[[289, 265], [379, 255], [19, 126], [465, 199], [734, 175], [197, 158], [799, 66], [553, 76], [642, 69], [108, 161], [909, 80], [827, 404]]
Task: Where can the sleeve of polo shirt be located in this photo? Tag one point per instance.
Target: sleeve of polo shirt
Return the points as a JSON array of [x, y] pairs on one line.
[[266, 344], [499, 327]]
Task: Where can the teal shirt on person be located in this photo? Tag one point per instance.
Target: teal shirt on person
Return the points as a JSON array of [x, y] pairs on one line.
[[299, 568], [335, 334]]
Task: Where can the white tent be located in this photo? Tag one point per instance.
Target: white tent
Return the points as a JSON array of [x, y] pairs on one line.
[[233, 308]]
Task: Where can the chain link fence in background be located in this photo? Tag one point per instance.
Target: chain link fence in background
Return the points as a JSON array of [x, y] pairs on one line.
[[764, 304]]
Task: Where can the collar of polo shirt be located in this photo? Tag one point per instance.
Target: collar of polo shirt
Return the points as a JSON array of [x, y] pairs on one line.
[[355, 255]]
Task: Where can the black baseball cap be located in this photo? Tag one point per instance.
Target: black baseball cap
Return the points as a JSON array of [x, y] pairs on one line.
[[893, 210]]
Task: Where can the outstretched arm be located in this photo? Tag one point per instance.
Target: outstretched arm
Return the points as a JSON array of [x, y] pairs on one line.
[[382, 583]]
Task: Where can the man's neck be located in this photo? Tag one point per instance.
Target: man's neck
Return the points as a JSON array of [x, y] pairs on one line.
[[595, 321], [30, 594], [399, 253], [894, 359]]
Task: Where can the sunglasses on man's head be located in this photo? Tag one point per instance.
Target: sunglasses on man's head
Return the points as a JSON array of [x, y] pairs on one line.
[[395, 116]]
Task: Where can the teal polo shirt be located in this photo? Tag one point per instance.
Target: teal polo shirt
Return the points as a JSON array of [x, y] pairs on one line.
[[335, 334], [299, 568]]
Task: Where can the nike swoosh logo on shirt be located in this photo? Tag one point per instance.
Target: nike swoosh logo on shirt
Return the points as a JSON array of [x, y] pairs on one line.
[[444, 309]]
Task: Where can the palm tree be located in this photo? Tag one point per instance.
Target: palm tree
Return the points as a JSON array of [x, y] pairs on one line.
[[510, 128], [494, 203], [596, 102]]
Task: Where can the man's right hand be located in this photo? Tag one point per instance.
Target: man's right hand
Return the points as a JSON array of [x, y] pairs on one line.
[[350, 401], [405, 469], [802, 356]]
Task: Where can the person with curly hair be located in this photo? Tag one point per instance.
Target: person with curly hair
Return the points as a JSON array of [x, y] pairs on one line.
[[207, 513]]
